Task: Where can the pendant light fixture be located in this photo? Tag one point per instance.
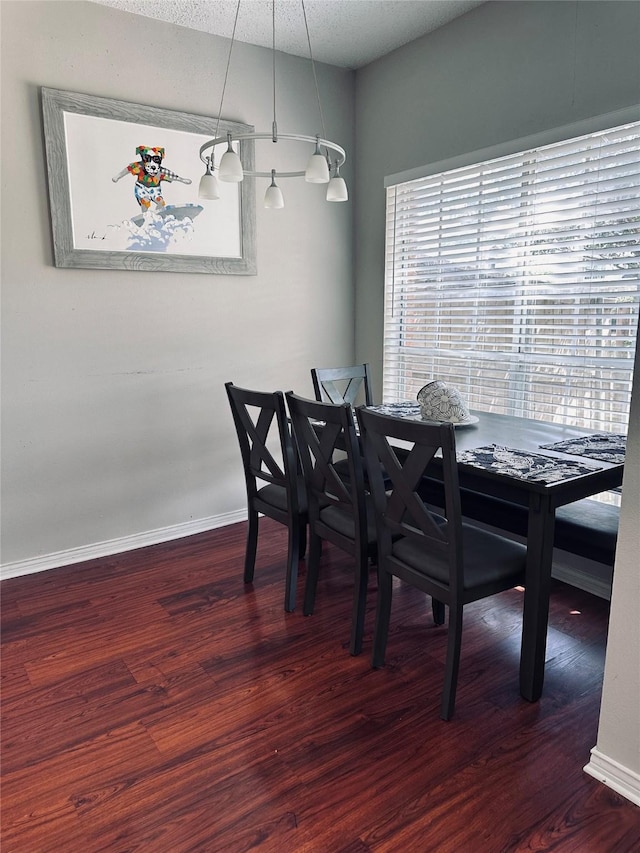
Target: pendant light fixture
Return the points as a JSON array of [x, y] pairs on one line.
[[209, 188], [324, 158]]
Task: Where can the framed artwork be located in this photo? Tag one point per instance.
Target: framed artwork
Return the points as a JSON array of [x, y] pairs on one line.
[[123, 189]]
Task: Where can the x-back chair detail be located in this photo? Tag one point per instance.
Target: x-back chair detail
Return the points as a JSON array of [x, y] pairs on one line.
[[343, 384]]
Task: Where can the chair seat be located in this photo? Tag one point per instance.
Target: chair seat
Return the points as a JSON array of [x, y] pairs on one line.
[[276, 496], [344, 523], [489, 559]]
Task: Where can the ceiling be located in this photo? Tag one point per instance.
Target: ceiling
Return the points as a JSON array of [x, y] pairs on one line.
[[347, 33]]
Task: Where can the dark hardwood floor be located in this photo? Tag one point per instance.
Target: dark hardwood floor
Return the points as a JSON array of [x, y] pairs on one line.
[[152, 702]]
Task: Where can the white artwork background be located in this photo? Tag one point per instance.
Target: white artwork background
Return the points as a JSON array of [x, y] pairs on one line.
[[99, 148]]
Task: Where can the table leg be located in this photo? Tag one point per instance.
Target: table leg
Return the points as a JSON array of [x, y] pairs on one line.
[[536, 597]]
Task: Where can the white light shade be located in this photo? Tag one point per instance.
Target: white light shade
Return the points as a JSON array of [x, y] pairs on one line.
[[273, 197], [209, 187], [230, 167], [317, 171], [337, 189]]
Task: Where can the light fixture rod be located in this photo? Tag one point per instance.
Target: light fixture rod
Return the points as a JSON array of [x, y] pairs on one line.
[[226, 73], [273, 55], [313, 68]]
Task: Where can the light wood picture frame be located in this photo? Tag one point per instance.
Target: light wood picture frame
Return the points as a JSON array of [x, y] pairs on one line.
[[109, 211]]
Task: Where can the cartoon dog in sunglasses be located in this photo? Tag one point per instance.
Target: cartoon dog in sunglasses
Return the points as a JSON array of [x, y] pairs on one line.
[[149, 173]]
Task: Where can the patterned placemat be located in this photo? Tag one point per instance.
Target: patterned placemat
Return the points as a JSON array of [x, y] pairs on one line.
[[409, 410], [524, 465], [605, 446]]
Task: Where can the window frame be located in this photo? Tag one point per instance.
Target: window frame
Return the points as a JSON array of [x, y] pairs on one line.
[[513, 147]]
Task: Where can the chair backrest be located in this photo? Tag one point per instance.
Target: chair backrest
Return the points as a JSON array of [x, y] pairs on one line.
[[324, 432], [407, 450], [261, 422], [342, 384]]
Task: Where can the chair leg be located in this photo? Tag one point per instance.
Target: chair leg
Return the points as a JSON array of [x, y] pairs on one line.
[[252, 545], [454, 642], [293, 557], [359, 604], [302, 539], [437, 608], [315, 549], [383, 616]]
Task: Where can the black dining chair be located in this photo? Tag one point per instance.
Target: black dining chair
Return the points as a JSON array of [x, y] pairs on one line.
[[275, 488], [343, 384], [455, 563], [339, 509]]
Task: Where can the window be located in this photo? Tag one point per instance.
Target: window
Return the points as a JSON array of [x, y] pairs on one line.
[[517, 280]]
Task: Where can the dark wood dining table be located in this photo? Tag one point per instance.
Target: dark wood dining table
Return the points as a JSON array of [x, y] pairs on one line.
[[541, 499]]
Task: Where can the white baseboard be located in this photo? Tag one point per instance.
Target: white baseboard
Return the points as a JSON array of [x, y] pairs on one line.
[[582, 577], [117, 546], [620, 779]]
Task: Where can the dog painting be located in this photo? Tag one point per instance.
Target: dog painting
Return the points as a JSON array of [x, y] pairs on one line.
[[149, 173]]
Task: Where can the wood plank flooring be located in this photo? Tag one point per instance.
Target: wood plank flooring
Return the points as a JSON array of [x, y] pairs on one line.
[[153, 702]]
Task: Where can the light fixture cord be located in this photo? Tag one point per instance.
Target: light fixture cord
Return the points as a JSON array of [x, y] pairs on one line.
[[226, 73], [313, 66]]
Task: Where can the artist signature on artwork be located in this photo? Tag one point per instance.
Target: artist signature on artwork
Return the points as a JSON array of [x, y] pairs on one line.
[[94, 236]]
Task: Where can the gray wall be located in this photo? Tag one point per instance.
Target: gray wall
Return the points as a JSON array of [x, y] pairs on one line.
[[116, 429], [505, 71]]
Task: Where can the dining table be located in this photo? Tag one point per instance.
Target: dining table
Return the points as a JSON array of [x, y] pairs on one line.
[[539, 465]]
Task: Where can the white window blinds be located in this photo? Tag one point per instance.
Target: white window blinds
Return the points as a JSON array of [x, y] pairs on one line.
[[517, 280]]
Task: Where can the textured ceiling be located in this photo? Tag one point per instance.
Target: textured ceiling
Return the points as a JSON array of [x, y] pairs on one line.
[[348, 33]]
